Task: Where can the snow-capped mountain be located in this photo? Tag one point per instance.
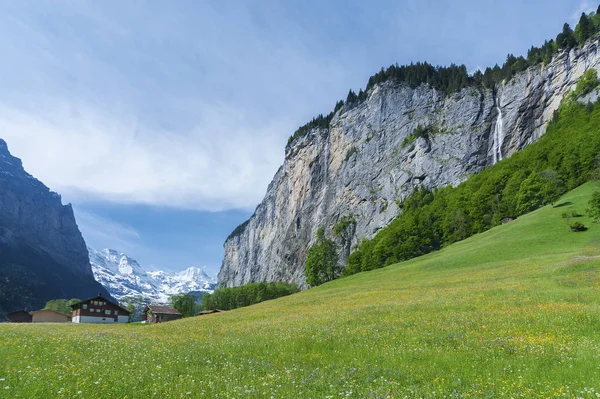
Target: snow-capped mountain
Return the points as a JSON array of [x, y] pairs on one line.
[[123, 277]]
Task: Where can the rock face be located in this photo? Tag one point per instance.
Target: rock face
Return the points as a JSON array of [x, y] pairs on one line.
[[42, 253], [365, 162]]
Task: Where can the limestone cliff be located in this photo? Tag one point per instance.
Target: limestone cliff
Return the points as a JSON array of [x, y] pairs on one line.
[[367, 160], [42, 253]]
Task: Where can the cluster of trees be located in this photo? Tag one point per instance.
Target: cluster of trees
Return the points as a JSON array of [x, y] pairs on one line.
[[447, 79], [62, 305], [135, 306], [320, 122], [186, 304], [561, 160], [322, 263], [455, 77], [245, 295], [238, 230], [594, 206]]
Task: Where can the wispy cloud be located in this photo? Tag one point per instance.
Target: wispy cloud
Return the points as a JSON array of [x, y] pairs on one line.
[[585, 6], [101, 232], [130, 110]]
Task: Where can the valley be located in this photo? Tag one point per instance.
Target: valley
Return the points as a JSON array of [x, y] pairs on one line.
[[512, 312]]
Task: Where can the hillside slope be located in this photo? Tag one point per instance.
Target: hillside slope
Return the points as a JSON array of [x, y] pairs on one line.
[[512, 312], [370, 158]]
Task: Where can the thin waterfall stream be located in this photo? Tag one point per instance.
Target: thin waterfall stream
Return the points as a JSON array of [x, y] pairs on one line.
[[498, 134]]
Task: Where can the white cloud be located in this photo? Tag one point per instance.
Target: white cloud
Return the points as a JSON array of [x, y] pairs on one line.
[[170, 107], [83, 155], [584, 6], [100, 232]]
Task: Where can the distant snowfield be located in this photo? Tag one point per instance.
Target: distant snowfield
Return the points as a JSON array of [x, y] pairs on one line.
[[123, 277]]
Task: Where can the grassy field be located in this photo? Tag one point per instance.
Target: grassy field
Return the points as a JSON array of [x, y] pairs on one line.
[[513, 312]]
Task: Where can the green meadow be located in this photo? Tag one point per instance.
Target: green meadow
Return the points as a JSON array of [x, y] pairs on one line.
[[512, 312]]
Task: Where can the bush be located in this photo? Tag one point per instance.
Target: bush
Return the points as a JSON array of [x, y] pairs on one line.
[[577, 226]]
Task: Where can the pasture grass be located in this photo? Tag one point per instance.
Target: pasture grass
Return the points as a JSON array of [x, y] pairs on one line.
[[512, 312]]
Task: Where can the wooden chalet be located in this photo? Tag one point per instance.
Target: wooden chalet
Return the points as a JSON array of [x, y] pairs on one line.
[[205, 312], [160, 313], [19, 316], [99, 310], [48, 316]]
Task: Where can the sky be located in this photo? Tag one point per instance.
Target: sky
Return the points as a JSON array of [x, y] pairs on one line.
[[163, 122]]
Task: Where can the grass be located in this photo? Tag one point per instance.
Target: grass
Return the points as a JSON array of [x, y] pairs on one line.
[[513, 312]]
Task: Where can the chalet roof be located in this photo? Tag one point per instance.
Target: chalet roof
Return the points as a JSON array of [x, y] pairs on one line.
[[18, 316], [99, 297], [16, 312], [47, 310], [203, 312], [162, 309]]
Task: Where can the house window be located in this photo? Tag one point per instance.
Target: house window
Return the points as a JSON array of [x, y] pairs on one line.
[[107, 312], [116, 312], [92, 310], [84, 306]]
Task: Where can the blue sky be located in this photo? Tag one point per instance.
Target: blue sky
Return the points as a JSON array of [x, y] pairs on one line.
[[164, 122]]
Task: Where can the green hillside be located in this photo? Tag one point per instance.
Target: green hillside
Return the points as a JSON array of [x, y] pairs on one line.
[[512, 312]]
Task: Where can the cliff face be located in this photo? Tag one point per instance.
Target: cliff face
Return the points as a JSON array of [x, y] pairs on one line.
[[42, 253], [366, 161]]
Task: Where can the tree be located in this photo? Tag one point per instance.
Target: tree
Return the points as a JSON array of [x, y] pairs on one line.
[[594, 206], [566, 39], [184, 303], [584, 29], [135, 305], [62, 305], [554, 186], [531, 193], [322, 261], [351, 98], [131, 309]]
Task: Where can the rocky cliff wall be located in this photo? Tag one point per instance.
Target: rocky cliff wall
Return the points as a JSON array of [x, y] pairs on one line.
[[42, 252], [366, 161]]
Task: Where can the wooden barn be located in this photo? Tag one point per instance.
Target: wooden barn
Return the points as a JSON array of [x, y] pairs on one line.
[[48, 316], [19, 316], [160, 313], [99, 310]]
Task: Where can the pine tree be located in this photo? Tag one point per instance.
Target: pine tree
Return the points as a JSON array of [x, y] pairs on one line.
[[351, 98], [584, 29], [566, 39]]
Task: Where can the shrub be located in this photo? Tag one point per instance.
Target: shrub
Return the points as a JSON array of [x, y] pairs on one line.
[[577, 226]]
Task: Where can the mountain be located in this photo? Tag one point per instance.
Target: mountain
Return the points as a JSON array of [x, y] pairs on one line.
[[124, 277], [42, 253], [354, 171]]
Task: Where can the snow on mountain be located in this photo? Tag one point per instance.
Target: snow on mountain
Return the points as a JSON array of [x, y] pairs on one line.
[[123, 277]]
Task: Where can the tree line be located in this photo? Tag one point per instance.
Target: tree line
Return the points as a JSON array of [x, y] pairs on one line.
[[454, 78], [245, 295]]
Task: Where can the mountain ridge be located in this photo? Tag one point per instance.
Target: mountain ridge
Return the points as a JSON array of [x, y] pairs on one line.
[[42, 252], [123, 277], [370, 158]]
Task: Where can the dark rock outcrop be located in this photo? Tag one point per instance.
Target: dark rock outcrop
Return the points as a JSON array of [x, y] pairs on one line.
[[42, 253]]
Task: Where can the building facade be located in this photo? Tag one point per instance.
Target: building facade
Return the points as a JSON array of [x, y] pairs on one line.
[[99, 310], [20, 316], [48, 316], [159, 314]]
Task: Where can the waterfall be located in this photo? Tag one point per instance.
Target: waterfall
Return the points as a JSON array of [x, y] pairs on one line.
[[498, 134]]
